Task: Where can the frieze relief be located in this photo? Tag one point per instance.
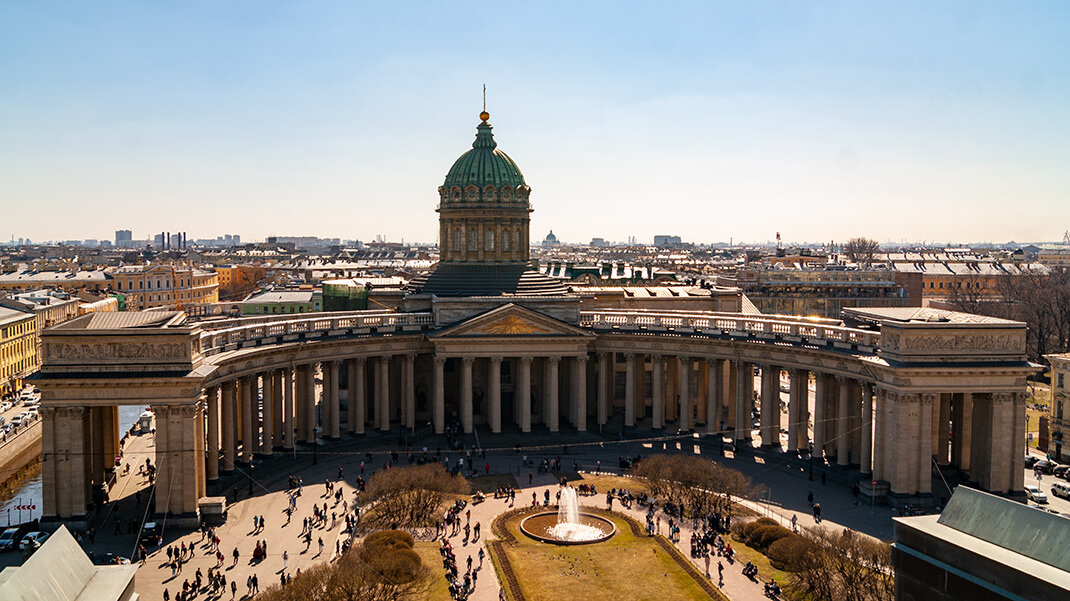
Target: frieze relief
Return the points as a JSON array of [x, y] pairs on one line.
[[984, 342], [117, 350]]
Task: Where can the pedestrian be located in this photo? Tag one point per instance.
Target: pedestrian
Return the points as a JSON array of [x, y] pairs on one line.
[[720, 573], [233, 588], [256, 584], [810, 498], [235, 557], [285, 560], [794, 523]]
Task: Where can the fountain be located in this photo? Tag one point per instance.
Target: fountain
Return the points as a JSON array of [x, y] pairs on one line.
[[568, 526]]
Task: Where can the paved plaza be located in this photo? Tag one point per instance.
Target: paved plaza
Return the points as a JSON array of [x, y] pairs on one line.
[[786, 496]]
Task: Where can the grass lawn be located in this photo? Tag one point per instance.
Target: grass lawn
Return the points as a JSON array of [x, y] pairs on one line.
[[429, 554], [604, 483], [491, 482], [623, 568]]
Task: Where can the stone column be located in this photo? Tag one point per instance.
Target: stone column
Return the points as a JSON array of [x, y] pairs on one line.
[[903, 476], [525, 394], [300, 402], [266, 446], [743, 405], [967, 430], [880, 426], [180, 476], [230, 444], [334, 405], [685, 393], [311, 421], [382, 409], [494, 377], [553, 409], [866, 461], [51, 474], [820, 394], [658, 390], [797, 395], [579, 403], [714, 389], [409, 399], [212, 459], [770, 406], [943, 427], [358, 403], [1017, 442], [276, 409], [288, 408], [843, 407], [629, 390], [466, 394], [605, 384], [248, 403], [438, 398], [65, 482], [925, 456]]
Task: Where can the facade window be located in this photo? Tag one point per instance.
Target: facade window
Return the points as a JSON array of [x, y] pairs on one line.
[[457, 240], [1059, 380], [473, 241], [489, 246], [505, 241]]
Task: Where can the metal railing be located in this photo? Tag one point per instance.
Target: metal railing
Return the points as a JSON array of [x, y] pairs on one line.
[[759, 327]]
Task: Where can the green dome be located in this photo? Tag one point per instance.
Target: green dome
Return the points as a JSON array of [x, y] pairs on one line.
[[484, 165]]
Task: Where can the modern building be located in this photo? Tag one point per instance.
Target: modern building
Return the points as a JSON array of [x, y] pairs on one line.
[[823, 292], [123, 238], [271, 302], [164, 285], [485, 341], [663, 241], [982, 547], [18, 347]]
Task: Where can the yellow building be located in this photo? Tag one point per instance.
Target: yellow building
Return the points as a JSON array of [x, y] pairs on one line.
[[177, 286], [237, 281], [18, 348]]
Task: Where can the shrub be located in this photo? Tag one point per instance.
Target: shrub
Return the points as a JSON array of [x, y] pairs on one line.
[[790, 553], [764, 537], [746, 533]]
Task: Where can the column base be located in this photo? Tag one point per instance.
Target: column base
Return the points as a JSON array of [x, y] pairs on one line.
[[919, 500], [873, 493], [51, 523], [187, 519]]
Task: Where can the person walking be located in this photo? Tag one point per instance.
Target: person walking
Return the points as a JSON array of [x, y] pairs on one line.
[[285, 560]]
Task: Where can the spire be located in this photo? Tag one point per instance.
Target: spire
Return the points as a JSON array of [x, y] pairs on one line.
[[484, 137]]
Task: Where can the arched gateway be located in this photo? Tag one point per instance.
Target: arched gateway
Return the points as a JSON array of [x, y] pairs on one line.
[[906, 388]]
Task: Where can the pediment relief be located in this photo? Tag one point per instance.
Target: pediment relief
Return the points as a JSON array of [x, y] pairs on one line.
[[512, 320]]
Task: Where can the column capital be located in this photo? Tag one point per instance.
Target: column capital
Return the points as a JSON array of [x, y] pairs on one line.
[[602, 355], [654, 358], [582, 359], [468, 360], [360, 359], [439, 360], [929, 398], [711, 361], [999, 398], [554, 359], [683, 358], [840, 379], [525, 360], [629, 356], [495, 359]]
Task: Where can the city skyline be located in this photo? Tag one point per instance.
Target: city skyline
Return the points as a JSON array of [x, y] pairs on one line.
[[907, 123]]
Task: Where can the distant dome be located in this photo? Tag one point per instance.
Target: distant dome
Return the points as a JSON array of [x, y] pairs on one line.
[[550, 238], [484, 165]]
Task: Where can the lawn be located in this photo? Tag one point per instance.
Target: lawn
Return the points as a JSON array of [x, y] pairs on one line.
[[428, 552], [623, 568]]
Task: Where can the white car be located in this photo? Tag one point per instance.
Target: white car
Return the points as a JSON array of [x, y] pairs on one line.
[[1033, 493], [5, 405], [39, 537]]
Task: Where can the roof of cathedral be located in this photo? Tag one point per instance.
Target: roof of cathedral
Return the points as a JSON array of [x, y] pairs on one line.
[[481, 279], [484, 165]]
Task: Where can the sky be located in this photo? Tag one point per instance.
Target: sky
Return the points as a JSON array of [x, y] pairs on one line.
[[904, 121]]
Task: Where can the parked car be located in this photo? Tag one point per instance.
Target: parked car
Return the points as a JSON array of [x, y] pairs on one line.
[[110, 559], [7, 539], [1044, 466], [1060, 489], [1060, 470], [1033, 493], [5, 405], [31, 537], [16, 421]]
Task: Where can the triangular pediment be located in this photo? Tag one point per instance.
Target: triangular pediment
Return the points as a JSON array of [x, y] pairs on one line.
[[512, 321]]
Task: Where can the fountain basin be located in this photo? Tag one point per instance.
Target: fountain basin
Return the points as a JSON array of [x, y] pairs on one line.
[[586, 529]]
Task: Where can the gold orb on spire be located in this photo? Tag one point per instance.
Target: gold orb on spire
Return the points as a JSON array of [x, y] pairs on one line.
[[484, 116]]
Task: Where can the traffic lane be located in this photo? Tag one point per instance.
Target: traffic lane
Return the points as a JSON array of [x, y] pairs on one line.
[[1057, 503]]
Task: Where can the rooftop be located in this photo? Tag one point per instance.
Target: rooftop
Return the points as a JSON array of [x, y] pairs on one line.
[[124, 319], [60, 569], [877, 315]]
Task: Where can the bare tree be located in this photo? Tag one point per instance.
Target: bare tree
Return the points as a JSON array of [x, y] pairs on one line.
[[701, 485], [410, 497], [845, 565], [861, 250]]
